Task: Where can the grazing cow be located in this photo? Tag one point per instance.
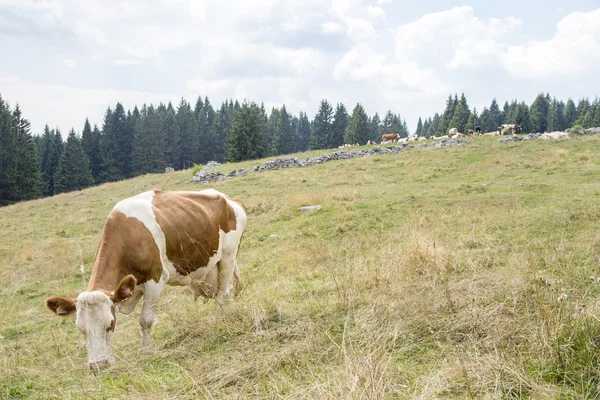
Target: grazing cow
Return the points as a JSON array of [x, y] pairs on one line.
[[471, 132], [370, 142], [452, 132], [149, 240], [421, 138], [478, 130], [507, 129], [554, 135], [393, 137]]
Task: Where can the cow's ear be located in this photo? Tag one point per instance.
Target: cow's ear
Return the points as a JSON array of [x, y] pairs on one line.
[[124, 289], [61, 306]]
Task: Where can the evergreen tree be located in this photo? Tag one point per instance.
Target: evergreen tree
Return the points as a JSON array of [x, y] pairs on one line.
[[570, 114], [419, 127], [338, 127], [460, 117], [538, 113], [304, 131], [555, 116], [188, 135], [50, 149], [116, 145], [424, 128], [284, 140], [446, 118], [73, 172], [522, 117], [358, 129], [375, 128], [388, 123], [205, 122], [496, 117], [404, 132], [473, 120], [247, 139], [486, 121], [173, 143], [150, 141], [90, 140], [19, 167], [271, 131], [221, 127], [321, 126]]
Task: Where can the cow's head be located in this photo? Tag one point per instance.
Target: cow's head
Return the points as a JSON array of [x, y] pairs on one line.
[[96, 318]]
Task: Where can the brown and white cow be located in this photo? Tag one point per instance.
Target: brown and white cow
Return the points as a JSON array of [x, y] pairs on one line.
[[149, 240], [393, 137]]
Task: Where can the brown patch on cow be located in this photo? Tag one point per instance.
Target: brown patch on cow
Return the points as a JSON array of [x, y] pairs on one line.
[[61, 306], [191, 223], [126, 248]]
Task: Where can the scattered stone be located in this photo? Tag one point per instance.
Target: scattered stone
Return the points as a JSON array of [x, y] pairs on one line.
[[169, 169], [310, 208], [292, 162]]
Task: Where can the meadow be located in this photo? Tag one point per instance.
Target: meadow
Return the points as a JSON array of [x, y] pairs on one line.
[[462, 272]]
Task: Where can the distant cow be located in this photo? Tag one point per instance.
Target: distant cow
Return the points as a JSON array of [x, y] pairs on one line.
[[494, 133], [390, 136], [180, 238], [452, 132], [370, 142], [478, 129], [471, 132], [507, 129]]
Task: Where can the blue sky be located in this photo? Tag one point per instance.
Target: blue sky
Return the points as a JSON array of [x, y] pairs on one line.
[[66, 60]]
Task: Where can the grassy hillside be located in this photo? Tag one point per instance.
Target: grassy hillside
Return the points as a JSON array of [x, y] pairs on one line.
[[465, 272]]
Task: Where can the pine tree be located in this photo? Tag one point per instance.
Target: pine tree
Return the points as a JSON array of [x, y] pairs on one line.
[[116, 145], [538, 113], [486, 121], [419, 130], [19, 166], [50, 148], [73, 172], [460, 117], [375, 128], [555, 116], [435, 123], [424, 128], [188, 135], [321, 126], [205, 121], [446, 118], [338, 127], [496, 117], [284, 140], [150, 141], [473, 120], [570, 114], [271, 131], [388, 123], [90, 140], [304, 131], [358, 129], [173, 143], [247, 139]]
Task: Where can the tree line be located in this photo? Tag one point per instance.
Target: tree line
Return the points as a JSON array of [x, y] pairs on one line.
[[149, 139], [546, 114]]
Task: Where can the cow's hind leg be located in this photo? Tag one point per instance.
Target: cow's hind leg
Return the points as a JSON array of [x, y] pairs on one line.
[[152, 291], [227, 269]]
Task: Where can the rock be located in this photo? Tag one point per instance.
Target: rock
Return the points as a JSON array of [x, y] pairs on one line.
[[169, 169], [310, 208], [291, 162]]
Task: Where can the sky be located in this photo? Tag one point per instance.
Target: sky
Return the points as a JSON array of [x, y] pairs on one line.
[[63, 61]]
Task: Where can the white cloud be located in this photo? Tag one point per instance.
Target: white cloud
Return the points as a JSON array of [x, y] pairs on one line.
[[376, 12], [69, 62], [67, 107], [455, 37], [574, 48], [331, 28]]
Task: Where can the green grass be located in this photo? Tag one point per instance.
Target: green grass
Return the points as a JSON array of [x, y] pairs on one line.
[[463, 272]]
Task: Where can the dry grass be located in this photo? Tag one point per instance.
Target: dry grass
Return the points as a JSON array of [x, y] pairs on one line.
[[466, 272]]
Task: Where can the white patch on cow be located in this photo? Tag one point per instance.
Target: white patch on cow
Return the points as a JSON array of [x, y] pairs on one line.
[[94, 320]]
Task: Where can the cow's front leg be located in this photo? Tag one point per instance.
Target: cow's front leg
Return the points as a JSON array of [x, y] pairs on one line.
[[152, 291]]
